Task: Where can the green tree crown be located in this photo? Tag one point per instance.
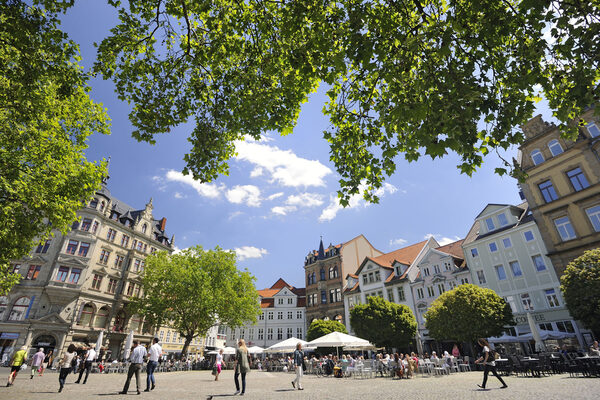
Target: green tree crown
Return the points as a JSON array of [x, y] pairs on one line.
[[321, 327]]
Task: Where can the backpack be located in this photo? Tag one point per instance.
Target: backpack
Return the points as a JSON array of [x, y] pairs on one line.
[[74, 361]]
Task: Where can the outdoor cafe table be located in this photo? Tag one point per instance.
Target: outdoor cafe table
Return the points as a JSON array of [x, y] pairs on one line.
[[588, 358]]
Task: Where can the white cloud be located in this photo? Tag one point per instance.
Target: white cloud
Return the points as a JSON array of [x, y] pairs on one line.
[[244, 194], [178, 195], [285, 167], [234, 215], [305, 200], [283, 210], [397, 242], [258, 171], [355, 201], [209, 190], [442, 240], [245, 252], [275, 196]]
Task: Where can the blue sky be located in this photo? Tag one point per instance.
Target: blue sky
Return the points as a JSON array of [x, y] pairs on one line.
[[280, 195]]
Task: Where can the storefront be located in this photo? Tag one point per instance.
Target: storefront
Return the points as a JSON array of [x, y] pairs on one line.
[[7, 345]]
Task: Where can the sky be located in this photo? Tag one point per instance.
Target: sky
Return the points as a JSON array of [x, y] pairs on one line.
[[280, 195]]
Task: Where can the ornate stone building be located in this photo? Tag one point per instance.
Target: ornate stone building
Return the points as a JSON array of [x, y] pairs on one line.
[[326, 270], [563, 187], [79, 284]]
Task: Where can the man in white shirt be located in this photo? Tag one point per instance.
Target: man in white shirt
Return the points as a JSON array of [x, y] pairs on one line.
[[89, 358], [153, 357], [137, 358]]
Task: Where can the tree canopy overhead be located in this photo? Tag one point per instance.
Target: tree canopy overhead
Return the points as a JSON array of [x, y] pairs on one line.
[[384, 323], [46, 116], [405, 77], [195, 290]]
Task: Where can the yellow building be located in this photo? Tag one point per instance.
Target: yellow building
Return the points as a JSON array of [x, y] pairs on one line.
[[172, 342], [563, 187]]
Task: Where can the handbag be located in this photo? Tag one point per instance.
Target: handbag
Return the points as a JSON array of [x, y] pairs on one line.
[[214, 371]]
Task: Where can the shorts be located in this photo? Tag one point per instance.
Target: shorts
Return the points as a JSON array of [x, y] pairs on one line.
[[14, 368]]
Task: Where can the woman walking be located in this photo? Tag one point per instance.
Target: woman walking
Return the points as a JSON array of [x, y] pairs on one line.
[[65, 365], [241, 366], [47, 362], [219, 364], [489, 364]]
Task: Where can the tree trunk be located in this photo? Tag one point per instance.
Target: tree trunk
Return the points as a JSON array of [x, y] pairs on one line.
[[186, 345]]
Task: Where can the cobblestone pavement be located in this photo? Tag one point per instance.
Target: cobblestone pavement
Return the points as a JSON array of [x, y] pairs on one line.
[[265, 385]]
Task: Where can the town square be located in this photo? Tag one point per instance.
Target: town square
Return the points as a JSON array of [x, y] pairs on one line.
[[299, 199]]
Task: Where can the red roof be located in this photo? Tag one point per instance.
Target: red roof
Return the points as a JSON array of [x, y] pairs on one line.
[[267, 294], [280, 284], [454, 249], [266, 303], [405, 255]]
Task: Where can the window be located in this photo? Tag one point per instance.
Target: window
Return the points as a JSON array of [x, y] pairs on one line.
[[114, 215], [102, 204], [125, 241], [75, 274], [72, 246], [279, 301], [279, 333], [420, 293], [564, 228], [436, 269], [506, 243], [490, 224], [578, 179], [481, 277], [280, 315], [61, 274], [390, 295], [545, 326], [538, 261], [452, 285], [426, 271], [593, 214], [502, 220], [261, 334], [97, 282], [291, 300], [101, 317], [290, 332], [299, 333], [144, 227], [119, 261], [110, 235], [401, 295], [270, 315], [565, 326], [430, 291], [441, 288], [526, 301], [464, 281], [298, 314], [511, 302], [338, 295], [555, 147], [493, 247], [500, 272], [515, 268], [136, 265], [34, 271], [140, 246], [87, 313], [269, 333], [552, 298], [593, 129], [83, 249], [130, 288], [365, 279], [548, 192], [537, 157], [447, 266], [94, 203], [16, 268], [86, 224], [3, 306], [19, 309], [322, 274], [133, 244], [474, 253], [168, 337], [43, 248], [261, 317], [332, 295], [112, 286], [528, 236], [377, 276], [95, 226]]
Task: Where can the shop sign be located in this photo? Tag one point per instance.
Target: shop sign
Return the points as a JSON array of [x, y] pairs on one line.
[[522, 319], [7, 335]]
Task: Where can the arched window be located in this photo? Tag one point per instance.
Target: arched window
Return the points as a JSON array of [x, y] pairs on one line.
[[19, 309], [136, 323], [335, 272], [3, 306], [144, 227], [119, 321], [537, 157], [87, 314], [102, 204], [101, 317], [322, 273], [555, 147], [331, 273]]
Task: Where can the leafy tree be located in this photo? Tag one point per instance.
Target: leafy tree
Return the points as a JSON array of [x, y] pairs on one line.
[[404, 77], [321, 327], [194, 290], [383, 323], [46, 116], [467, 313], [580, 284]]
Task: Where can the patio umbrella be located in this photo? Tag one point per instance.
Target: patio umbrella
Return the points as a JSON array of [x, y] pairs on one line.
[[419, 342], [287, 346], [229, 350], [212, 352], [539, 344], [339, 339], [255, 350], [99, 341], [128, 344]]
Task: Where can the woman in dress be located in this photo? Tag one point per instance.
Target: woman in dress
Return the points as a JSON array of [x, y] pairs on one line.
[[241, 366], [489, 363], [219, 364], [65, 365]]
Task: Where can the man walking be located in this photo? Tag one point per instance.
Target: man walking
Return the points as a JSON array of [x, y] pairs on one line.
[[90, 357], [155, 353], [298, 362], [36, 361], [137, 358], [15, 364]]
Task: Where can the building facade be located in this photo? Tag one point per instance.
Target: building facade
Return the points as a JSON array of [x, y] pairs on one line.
[[563, 187], [172, 343], [506, 253], [79, 284], [388, 276], [283, 315], [325, 271]]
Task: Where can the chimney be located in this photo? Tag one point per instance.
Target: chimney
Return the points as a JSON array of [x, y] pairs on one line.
[[163, 223]]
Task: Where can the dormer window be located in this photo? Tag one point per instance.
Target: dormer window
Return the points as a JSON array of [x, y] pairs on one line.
[[490, 224], [114, 215], [94, 203], [102, 205], [593, 129], [555, 147], [537, 157], [502, 220]]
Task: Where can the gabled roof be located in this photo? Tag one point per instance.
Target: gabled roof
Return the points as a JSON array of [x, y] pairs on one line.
[[280, 284], [454, 249], [405, 255], [277, 287]]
